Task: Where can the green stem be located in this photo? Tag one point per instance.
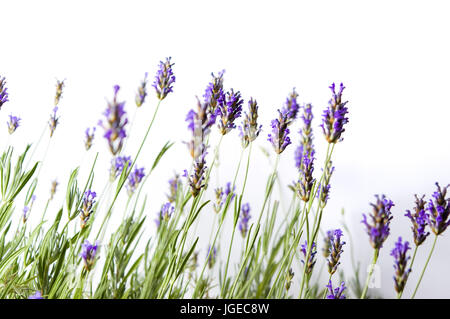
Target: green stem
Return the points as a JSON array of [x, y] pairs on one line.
[[424, 268], [258, 224], [372, 266], [238, 210]]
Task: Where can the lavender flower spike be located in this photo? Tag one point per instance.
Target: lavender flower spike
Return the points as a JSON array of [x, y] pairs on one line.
[[197, 178], [89, 138], [323, 191], [289, 276], [439, 210], [334, 116], [199, 123], [335, 250], [87, 207], [279, 137], [229, 111], [118, 164], [291, 108], [327, 242], [312, 256], [165, 213], [306, 136], [219, 199], [245, 218], [164, 79], [400, 264], [3, 91], [378, 228], [211, 257], [142, 92], [336, 293], [173, 188], [214, 95], [134, 179], [250, 130], [114, 125], [25, 211], [419, 221], [88, 253], [59, 90], [303, 187], [13, 123], [53, 122], [53, 188]]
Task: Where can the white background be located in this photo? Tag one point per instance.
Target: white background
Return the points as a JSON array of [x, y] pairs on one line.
[[393, 58]]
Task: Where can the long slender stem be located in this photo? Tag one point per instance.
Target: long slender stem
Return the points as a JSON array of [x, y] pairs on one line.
[[425, 267], [258, 224], [238, 209], [372, 266]]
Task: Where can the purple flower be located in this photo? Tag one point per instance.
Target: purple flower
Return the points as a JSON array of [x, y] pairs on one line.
[[334, 116], [173, 188], [214, 95], [199, 123], [439, 210], [222, 196], [306, 136], [13, 123], [3, 91], [53, 122], [378, 227], [88, 253], [250, 130], [291, 108], [279, 137], [303, 187], [115, 122], [419, 221], [164, 79], [336, 293], [323, 192], [229, 111], [311, 258], [134, 179], [400, 264], [87, 207], [89, 138], [165, 213], [142, 92], [244, 219], [36, 295], [25, 213], [118, 164], [229, 191], [211, 255], [335, 250], [196, 180]]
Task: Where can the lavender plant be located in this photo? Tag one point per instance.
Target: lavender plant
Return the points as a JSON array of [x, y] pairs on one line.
[[275, 255]]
